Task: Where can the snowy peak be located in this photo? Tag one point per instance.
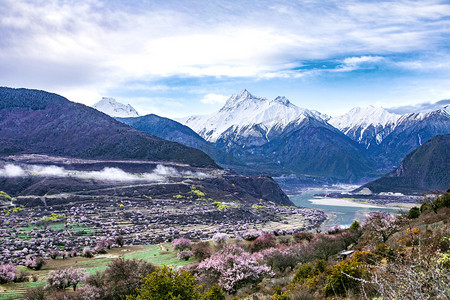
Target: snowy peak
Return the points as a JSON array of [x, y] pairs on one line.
[[282, 100], [113, 108], [366, 125], [243, 111], [364, 117], [242, 99]]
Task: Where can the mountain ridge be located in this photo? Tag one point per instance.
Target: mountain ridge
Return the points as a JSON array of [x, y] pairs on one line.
[[39, 122]]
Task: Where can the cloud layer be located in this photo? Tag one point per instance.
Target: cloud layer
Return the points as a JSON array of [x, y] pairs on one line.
[[159, 174], [88, 48]]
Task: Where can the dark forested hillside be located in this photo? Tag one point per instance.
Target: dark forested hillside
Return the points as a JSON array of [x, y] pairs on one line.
[[33, 121], [424, 169]]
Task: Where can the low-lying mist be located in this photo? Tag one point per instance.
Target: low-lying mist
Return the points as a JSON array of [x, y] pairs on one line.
[[160, 174]]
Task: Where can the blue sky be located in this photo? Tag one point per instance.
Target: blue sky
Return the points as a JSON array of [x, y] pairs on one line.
[[177, 58]]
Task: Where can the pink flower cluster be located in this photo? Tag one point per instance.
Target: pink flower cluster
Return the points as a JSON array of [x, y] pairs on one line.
[[220, 238], [7, 273], [181, 244], [63, 278], [232, 267]]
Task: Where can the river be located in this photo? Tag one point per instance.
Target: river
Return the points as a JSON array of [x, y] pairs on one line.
[[339, 212]]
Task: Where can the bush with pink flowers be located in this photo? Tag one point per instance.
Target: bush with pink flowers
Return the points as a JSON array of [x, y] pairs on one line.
[[34, 262], [184, 255], [64, 278], [232, 268], [182, 244], [264, 241], [251, 235], [7, 273]]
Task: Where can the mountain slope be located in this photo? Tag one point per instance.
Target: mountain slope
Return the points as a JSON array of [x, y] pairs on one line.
[[173, 131], [410, 132], [280, 138], [424, 169], [113, 108], [366, 125], [33, 121], [316, 148], [388, 137]]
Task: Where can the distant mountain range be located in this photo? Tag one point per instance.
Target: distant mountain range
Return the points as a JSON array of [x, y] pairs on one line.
[[278, 138], [40, 129], [389, 137], [33, 121], [424, 169]]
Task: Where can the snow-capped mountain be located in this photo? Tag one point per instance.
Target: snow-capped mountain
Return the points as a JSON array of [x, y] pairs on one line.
[[279, 138], [389, 137], [249, 117], [113, 108], [366, 125], [411, 131]]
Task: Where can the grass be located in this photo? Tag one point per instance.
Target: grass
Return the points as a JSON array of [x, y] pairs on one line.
[[152, 253], [156, 256]]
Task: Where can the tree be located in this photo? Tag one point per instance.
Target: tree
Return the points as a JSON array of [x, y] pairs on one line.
[[167, 284], [381, 224], [121, 278], [64, 278]]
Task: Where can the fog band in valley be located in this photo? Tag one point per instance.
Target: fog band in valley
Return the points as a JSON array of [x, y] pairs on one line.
[[159, 174]]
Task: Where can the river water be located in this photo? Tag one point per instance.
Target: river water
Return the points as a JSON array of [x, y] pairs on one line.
[[339, 212]]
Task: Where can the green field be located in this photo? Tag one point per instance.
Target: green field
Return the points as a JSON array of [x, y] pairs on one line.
[[156, 254]]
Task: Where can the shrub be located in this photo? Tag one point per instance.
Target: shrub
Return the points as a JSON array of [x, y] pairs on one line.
[[220, 238], [320, 266], [202, 250], [366, 257], [21, 276], [34, 262], [304, 272], [414, 213], [251, 235], [381, 224], [167, 284], [232, 268], [325, 246], [279, 294], [101, 246], [334, 230], [87, 252], [264, 241], [7, 273], [38, 293], [303, 236], [182, 244], [280, 258], [119, 240], [184, 255], [121, 278], [214, 293], [53, 254], [340, 280], [418, 275], [64, 278], [355, 225]]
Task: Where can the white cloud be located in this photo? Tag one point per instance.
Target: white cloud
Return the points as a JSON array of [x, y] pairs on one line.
[[357, 62], [82, 50], [214, 99]]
